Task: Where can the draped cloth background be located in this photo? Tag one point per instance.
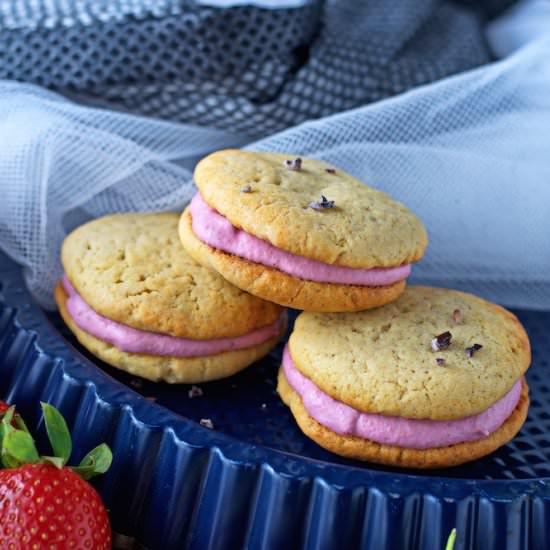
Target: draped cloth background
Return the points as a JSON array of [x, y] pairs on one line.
[[468, 153], [244, 68]]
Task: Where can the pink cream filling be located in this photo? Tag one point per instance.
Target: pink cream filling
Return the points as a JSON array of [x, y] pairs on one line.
[[394, 430], [215, 230], [132, 340]]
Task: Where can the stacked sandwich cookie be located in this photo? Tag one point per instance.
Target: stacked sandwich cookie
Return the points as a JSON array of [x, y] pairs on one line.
[[299, 232], [433, 380], [374, 370], [136, 300]]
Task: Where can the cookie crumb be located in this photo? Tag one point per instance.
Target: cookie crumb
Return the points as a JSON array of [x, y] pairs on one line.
[[246, 189], [440, 361], [442, 341], [195, 391], [330, 170], [207, 423], [472, 349], [323, 204], [295, 164], [123, 542], [458, 317], [136, 383]]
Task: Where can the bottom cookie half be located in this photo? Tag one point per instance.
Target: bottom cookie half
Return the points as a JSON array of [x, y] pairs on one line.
[[185, 370], [364, 449], [283, 289]]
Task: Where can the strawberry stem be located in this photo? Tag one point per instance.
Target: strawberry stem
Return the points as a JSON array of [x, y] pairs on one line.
[[451, 540]]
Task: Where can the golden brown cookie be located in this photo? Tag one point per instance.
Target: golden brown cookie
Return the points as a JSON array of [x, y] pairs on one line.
[[137, 300], [431, 380], [381, 361], [365, 229], [272, 284], [363, 449], [132, 269], [185, 370], [310, 236]]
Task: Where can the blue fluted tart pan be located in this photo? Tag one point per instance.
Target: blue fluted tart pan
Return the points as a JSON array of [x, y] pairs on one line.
[[254, 480]]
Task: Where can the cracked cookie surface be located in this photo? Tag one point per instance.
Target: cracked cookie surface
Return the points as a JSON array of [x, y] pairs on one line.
[[381, 361], [131, 268], [364, 229]]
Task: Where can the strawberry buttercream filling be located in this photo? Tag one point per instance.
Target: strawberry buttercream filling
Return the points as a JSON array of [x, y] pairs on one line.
[[133, 340], [217, 231], [393, 430]]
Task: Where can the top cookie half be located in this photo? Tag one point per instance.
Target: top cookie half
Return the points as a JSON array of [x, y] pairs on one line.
[[365, 228], [131, 268]]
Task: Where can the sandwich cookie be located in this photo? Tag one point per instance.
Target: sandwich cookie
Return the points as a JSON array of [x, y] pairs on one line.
[[300, 232], [434, 379], [135, 299]]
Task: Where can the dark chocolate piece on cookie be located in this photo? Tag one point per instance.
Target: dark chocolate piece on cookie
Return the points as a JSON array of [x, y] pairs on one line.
[[442, 341], [472, 349]]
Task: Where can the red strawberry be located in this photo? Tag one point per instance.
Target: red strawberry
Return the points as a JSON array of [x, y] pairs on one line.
[[43, 503], [3, 407], [42, 506]]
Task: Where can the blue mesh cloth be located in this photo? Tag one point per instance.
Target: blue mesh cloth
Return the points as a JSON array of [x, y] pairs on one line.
[[245, 68]]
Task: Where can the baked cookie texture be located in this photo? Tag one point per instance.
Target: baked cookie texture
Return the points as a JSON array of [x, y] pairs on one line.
[[365, 229], [364, 449], [131, 268], [271, 284], [381, 361], [184, 370]]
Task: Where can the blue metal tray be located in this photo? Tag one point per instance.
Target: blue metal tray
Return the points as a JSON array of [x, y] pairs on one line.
[[255, 481]]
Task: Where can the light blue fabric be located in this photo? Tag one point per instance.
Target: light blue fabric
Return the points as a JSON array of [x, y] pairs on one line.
[[469, 154], [522, 23]]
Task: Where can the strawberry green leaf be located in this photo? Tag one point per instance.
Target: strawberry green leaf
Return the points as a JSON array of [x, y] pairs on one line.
[[7, 419], [451, 540], [58, 433], [54, 461], [19, 446], [97, 461], [9, 462], [20, 424], [6, 427], [102, 456]]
